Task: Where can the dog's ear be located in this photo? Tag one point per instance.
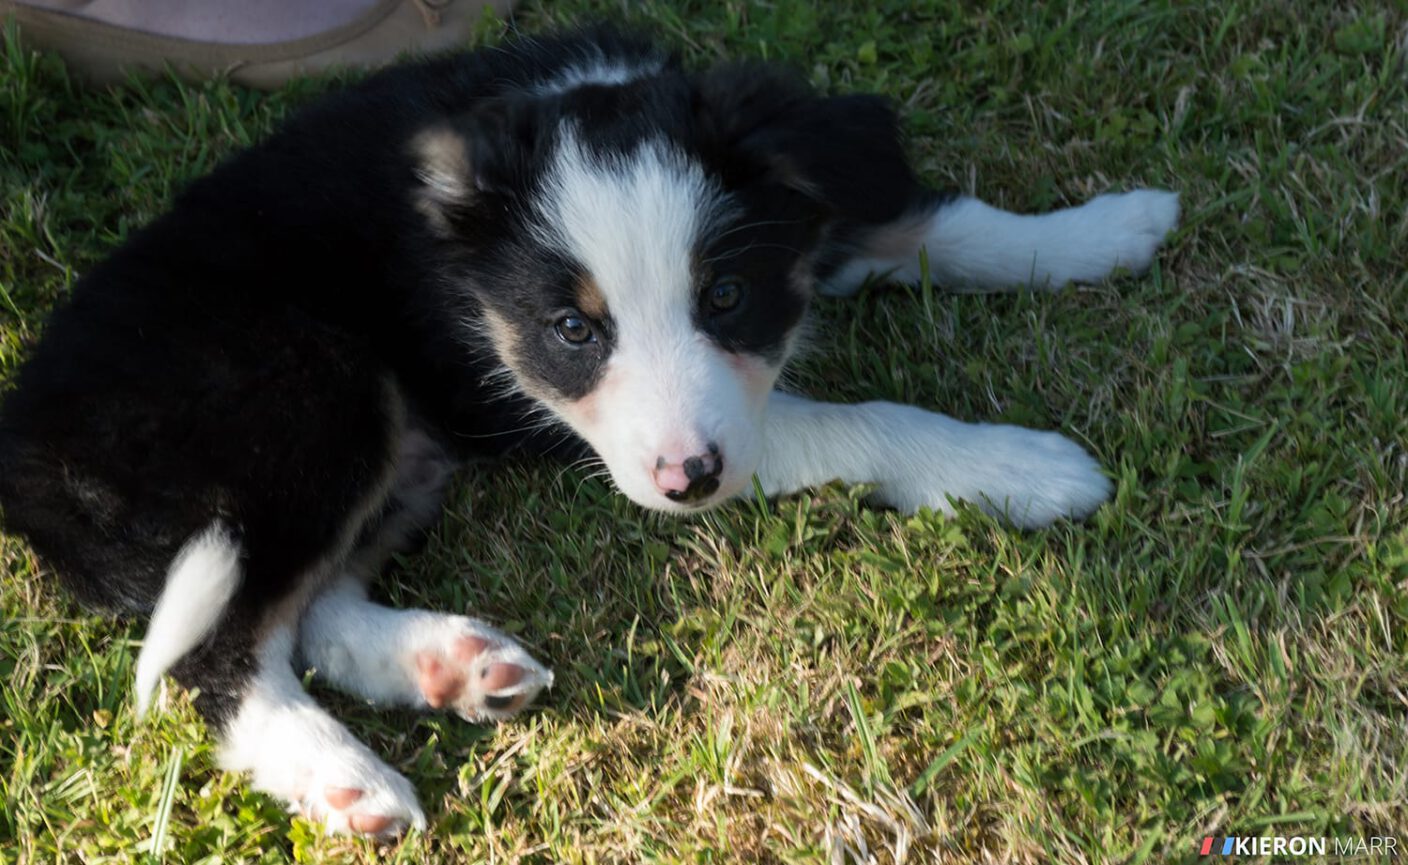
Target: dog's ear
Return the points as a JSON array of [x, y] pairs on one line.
[[441, 158], [459, 161], [776, 126]]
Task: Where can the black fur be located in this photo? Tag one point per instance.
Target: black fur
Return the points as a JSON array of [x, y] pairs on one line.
[[253, 355]]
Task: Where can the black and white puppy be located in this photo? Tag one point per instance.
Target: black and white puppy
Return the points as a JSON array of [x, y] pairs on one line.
[[563, 246]]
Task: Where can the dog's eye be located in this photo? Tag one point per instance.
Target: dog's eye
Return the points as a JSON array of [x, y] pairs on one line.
[[574, 329], [726, 293]]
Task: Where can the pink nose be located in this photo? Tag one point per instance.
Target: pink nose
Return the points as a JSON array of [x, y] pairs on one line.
[[689, 479]]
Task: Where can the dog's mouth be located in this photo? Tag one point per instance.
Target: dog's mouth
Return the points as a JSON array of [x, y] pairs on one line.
[[699, 484], [702, 501]]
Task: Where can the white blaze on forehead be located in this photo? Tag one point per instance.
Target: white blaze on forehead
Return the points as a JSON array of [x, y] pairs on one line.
[[633, 221], [599, 70]]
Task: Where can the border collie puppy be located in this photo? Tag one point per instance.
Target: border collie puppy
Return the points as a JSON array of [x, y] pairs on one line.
[[563, 246]]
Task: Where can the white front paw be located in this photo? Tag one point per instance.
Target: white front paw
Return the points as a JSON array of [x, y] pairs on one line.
[[1119, 230], [1029, 478]]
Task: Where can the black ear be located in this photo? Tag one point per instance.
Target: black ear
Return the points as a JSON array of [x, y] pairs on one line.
[[844, 152]]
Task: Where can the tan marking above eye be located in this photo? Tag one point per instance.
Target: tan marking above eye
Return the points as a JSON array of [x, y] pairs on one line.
[[590, 300]]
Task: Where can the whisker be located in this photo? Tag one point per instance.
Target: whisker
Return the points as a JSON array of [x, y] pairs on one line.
[[748, 226]]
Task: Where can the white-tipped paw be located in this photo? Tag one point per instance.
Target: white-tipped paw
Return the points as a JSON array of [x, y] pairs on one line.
[[1119, 230], [1029, 478], [321, 771], [373, 800], [1048, 478], [475, 671]]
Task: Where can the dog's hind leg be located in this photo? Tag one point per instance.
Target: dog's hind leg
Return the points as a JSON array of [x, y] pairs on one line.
[[271, 728], [972, 246], [229, 612], [227, 620], [918, 458], [313, 462], [416, 658]]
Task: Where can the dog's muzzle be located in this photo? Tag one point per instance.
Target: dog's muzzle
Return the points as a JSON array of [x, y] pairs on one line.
[[691, 479]]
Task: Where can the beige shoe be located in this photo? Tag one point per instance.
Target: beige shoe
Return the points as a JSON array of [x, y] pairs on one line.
[[102, 53]]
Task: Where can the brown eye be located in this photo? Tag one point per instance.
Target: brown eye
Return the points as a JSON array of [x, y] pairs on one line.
[[725, 294], [574, 329]]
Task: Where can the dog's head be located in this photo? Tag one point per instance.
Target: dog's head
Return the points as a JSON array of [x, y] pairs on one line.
[[639, 247]]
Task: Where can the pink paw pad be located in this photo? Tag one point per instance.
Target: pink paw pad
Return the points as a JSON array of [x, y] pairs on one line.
[[439, 683], [468, 648], [462, 677], [342, 798], [369, 824]]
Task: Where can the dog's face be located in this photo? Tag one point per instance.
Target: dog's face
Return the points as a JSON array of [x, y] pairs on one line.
[[641, 271]]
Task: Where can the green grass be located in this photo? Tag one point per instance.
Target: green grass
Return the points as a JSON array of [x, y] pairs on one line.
[[1221, 650]]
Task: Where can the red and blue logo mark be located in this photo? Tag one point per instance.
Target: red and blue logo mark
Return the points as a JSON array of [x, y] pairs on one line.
[[1384, 846], [1262, 845]]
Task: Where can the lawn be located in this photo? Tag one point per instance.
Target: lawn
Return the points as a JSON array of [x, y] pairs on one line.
[[1222, 650]]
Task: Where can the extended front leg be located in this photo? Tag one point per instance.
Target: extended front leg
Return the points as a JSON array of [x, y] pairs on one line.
[[918, 458], [973, 246]]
